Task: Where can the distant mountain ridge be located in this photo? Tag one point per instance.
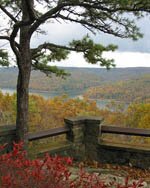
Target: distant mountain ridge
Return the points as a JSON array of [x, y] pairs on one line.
[[80, 80], [132, 90]]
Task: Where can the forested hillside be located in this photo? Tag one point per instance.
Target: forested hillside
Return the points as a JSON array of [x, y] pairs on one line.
[[131, 90], [80, 79], [129, 85]]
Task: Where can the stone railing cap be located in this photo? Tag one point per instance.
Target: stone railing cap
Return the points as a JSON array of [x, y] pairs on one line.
[[83, 119]]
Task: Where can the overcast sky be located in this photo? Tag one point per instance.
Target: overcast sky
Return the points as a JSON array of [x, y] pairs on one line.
[[129, 53], [64, 33]]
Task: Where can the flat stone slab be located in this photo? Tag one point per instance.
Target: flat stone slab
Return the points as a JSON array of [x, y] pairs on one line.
[[108, 175]]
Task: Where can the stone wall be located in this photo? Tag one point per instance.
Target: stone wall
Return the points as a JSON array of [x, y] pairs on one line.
[[124, 155], [85, 134], [84, 143]]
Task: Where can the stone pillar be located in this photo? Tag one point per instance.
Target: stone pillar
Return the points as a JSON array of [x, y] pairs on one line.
[[76, 137], [84, 135], [92, 137]]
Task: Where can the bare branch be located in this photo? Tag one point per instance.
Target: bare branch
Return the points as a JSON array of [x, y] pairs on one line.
[[12, 40], [8, 38], [5, 38], [18, 14], [8, 14], [50, 14], [91, 26]]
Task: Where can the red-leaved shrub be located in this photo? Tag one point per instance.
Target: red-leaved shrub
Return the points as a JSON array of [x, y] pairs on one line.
[[17, 171]]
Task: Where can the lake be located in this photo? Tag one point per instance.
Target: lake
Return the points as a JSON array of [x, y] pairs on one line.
[[46, 94]]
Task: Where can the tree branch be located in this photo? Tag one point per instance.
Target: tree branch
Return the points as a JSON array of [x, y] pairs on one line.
[[49, 46], [8, 14], [4, 38], [8, 38], [104, 28], [50, 14], [29, 5], [12, 40], [92, 52], [100, 6], [112, 7], [48, 70]]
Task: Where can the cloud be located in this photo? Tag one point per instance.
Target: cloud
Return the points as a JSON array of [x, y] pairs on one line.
[[129, 54], [64, 32], [122, 59], [59, 33], [125, 45], [130, 59]]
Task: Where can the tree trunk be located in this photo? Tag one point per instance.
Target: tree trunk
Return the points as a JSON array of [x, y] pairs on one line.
[[22, 104], [24, 65]]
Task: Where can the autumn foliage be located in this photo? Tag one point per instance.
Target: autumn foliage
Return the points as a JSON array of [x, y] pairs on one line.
[[50, 113], [17, 171]]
